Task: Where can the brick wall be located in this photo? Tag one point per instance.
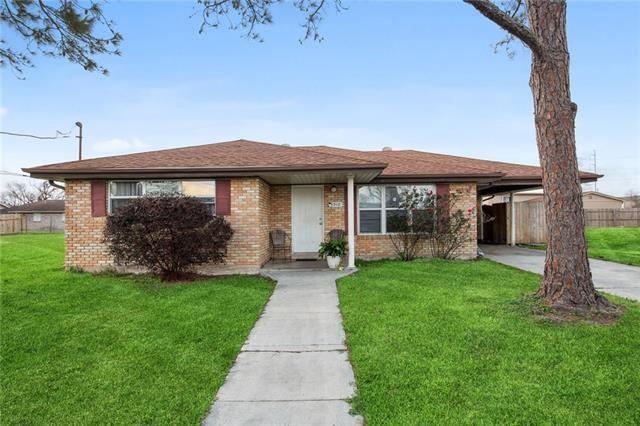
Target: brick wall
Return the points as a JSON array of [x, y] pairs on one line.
[[380, 246], [256, 208], [250, 219], [334, 217], [468, 201], [83, 233], [281, 208]]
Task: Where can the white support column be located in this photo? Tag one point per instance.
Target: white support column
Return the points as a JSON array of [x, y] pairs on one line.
[[512, 206], [351, 222]]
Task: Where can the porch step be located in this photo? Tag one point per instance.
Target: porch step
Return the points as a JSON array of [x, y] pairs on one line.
[[305, 255], [297, 265]]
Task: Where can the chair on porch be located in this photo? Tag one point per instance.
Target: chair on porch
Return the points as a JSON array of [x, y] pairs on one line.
[[280, 244], [335, 234]]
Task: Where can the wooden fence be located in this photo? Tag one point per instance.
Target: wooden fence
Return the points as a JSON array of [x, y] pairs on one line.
[[605, 218], [12, 223], [531, 226]]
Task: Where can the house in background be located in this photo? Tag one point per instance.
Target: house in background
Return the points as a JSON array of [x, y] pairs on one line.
[[597, 200], [631, 202], [524, 222], [41, 216], [305, 191], [590, 199]]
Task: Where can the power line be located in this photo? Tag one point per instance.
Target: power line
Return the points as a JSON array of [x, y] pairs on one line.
[[59, 135], [4, 172]]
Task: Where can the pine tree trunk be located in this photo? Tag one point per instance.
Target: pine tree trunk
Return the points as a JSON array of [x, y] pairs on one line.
[[567, 279]]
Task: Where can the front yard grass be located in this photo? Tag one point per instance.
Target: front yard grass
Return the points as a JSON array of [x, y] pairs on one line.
[[445, 342], [78, 348], [620, 245]]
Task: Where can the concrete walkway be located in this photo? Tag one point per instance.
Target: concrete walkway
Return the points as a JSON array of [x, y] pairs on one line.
[[293, 369], [610, 277]]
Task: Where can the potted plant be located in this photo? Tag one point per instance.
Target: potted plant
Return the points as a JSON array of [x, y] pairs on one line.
[[333, 250]]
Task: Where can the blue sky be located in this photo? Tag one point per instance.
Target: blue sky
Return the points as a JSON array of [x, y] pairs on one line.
[[416, 75]]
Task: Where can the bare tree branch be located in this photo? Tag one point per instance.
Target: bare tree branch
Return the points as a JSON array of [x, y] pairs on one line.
[[74, 29], [19, 193], [250, 14], [509, 23]]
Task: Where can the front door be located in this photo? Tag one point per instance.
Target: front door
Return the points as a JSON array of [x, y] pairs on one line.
[[306, 219]]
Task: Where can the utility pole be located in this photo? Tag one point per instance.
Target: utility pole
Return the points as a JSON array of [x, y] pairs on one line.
[[79, 124], [595, 170]]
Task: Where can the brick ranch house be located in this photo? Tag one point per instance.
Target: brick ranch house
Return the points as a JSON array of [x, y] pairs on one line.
[[306, 191]]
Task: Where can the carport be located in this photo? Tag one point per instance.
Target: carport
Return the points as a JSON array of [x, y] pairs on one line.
[[502, 228]]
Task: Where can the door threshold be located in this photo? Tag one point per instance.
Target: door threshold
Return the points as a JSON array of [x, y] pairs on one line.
[[304, 256]]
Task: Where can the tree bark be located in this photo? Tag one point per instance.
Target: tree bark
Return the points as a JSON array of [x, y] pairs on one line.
[[567, 281]]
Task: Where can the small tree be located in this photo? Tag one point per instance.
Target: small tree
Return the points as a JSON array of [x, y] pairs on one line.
[[169, 234], [451, 227], [425, 218], [409, 226]]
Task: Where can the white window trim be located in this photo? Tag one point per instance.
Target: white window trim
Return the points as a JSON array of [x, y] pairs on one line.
[[144, 189], [36, 215], [383, 205]]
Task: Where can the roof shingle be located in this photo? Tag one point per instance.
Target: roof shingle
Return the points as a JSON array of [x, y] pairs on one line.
[[249, 156], [47, 206], [419, 163], [240, 154]]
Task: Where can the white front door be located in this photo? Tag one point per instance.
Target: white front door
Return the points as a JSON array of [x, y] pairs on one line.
[[306, 218]]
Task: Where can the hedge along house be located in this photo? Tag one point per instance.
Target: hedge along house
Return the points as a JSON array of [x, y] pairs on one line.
[[259, 187]]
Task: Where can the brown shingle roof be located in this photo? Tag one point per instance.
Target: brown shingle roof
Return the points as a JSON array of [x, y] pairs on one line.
[[48, 206], [233, 155], [249, 156], [419, 163]]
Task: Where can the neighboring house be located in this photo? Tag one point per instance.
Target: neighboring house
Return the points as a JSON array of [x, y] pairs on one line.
[[305, 191], [597, 200], [590, 199], [632, 202], [41, 216]]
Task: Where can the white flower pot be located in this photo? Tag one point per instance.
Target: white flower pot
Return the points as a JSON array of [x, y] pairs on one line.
[[333, 261]]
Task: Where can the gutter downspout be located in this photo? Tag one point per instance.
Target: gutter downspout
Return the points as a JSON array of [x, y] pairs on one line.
[[55, 185]]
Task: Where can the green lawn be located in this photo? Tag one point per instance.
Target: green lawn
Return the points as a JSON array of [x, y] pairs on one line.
[[615, 244], [83, 349], [620, 245], [442, 342]]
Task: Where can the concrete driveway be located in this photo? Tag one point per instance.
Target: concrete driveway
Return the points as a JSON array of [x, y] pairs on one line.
[[294, 368], [615, 278]]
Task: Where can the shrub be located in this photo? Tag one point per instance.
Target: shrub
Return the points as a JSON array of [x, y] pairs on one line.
[[427, 219], [333, 248], [167, 234], [410, 225]]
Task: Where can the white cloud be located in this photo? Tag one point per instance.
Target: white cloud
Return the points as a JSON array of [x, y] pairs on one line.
[[112, 146], [3, 111]]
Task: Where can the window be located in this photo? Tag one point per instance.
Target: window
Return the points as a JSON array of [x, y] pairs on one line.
[[122, 192], [379, 205], [36, 217]]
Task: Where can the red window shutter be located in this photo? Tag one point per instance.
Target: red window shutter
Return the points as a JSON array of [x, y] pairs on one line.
[[442, 189], [98, 198], [223, 197]]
